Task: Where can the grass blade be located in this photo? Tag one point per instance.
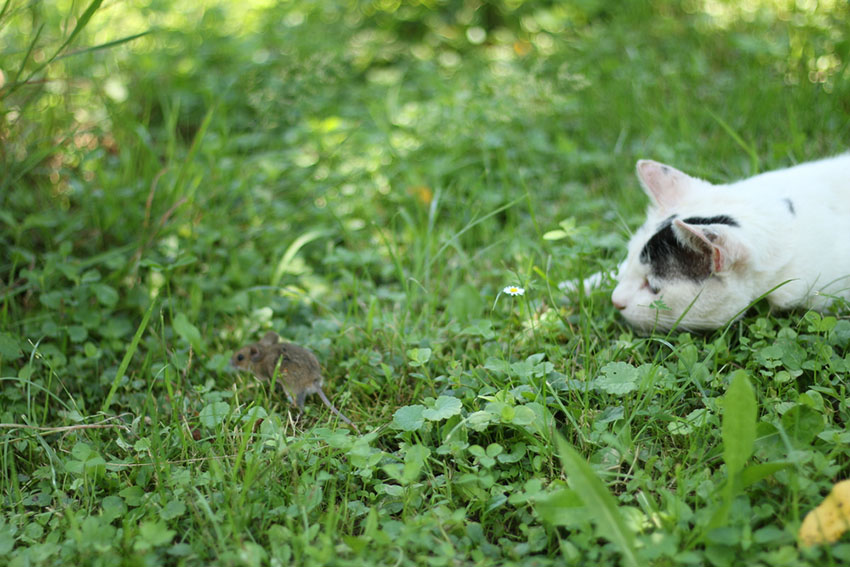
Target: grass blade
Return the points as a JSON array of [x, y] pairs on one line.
[[291, 251], [26, 58], [599, 502], [193, 149], [754, 158], [81, 24], [125, 362], [107, 45]]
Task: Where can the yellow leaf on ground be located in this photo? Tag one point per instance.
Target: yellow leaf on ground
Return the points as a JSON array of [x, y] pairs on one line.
[[827, 522]]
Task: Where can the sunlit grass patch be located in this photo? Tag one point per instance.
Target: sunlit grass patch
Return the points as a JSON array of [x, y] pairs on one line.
[[399, 187]]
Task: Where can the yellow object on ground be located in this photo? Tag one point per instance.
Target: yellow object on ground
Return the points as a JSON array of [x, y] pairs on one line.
[[827, 522]]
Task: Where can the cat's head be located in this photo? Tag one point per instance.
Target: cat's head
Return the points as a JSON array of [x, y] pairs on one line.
[[690, 257]]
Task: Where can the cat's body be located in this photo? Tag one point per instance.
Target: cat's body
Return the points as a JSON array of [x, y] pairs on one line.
[[709, 251]]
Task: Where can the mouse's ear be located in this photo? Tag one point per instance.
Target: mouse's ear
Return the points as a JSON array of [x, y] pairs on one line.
[[719, 239], [256, 355], [270, 338], [665, 186]]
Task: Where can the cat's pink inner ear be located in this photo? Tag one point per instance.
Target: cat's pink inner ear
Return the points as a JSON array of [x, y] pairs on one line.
[[706, 239], [666, 186], [717, 256]]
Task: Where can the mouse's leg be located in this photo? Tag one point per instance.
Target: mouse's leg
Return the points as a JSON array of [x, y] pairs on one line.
[[299, 400], [286, 391]]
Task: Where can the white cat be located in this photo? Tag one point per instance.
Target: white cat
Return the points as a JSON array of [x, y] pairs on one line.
[[707, 251]]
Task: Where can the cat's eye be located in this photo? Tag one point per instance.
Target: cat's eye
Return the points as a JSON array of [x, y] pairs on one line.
[[654, 290]]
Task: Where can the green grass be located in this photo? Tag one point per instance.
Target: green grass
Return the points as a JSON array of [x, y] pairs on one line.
[[365, 178]]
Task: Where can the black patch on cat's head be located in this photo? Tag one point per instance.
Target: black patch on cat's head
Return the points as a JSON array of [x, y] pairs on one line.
[[666, 222], [718, 219], [790, 206], [670, 259]]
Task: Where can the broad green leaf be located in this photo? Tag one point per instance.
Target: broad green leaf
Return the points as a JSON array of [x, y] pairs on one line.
[[97, 533], [599, 502], [609, 414], [106, 295], [7, 538], [113, 507], [132, 495], [52, 299], [739, 422], [563, 507], [35, 531], [523, 369], [10, 348], [173, 509], [414, 460], [255, 413], [755, 473], [802, 423], [477, 451], [518, 451], [116, 327], [409, 418], [497, 365], [617, 378], [444, 408], [90, 276], [478, 421], [554, 235], [418, 356], [480, 328], [523, 415], [90, 350], [82, 451], [568, 229], [153, 534], [77, 333], [213, 414], [188, 331]]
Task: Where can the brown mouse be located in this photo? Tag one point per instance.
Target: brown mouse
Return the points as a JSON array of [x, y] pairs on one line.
[[297, 367]]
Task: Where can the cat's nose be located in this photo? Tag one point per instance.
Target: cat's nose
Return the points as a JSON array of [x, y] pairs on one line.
[[619, 305]]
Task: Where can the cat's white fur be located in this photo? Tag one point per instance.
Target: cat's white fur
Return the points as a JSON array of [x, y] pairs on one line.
[[793, 225]]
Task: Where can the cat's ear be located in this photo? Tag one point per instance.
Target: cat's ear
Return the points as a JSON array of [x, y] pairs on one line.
[[718, 240], [666, 186]]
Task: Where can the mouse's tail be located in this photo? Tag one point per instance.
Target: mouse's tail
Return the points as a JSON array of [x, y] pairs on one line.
[[338, 413]]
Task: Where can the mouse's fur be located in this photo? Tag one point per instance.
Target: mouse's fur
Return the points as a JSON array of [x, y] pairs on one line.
[[296, 367], [709, 251]]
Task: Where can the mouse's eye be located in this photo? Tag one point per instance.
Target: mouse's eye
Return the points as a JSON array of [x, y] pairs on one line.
[[240, 357]]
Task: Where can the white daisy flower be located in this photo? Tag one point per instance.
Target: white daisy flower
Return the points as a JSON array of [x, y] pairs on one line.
[[514, 290]]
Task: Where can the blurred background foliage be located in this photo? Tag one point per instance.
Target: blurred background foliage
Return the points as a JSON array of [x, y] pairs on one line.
[[414, 143]]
